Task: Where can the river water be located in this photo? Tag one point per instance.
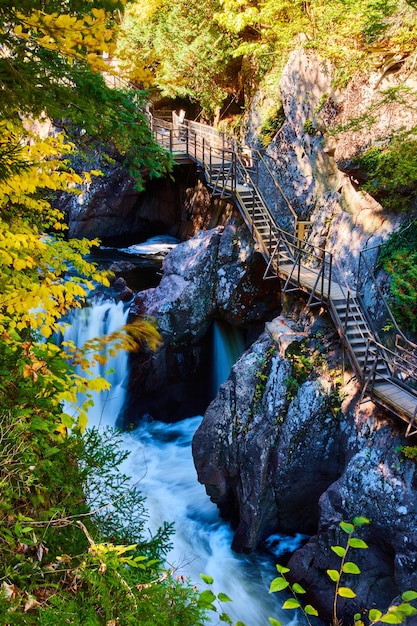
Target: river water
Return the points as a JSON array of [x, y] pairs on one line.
[[161, 463]]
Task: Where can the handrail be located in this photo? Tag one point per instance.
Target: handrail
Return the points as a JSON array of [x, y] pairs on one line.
[[257, 157], [371, 274], [276, 183], [228, 173], [374, 349]]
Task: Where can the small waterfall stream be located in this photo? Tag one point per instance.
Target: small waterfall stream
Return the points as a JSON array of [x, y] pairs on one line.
[[101, 318], [161, 460], [228, 345]]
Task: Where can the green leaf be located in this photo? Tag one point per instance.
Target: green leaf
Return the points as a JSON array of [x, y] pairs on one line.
[[354, 542], [224, 617], [346, 527], [206, 599], [409, 595], [282, 569], [360, 520], [37, 423], [346, 592], [310, 610], [240, 624], [391, 618], [339, 551], [274, 622], [350, 568], [298, 588], [406, 609], [209, 580], [374, 615], [333, 574], [291, 603], [278, 584], [223, 597]]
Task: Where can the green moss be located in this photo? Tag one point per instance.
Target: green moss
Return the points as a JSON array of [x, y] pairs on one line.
[[271, 125]]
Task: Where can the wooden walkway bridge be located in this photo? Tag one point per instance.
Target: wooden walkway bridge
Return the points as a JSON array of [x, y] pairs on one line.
[[384, 363]]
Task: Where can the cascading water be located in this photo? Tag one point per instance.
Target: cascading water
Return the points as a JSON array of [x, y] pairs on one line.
[[228, 345], [161, 461], [161, 454], [101, 318]]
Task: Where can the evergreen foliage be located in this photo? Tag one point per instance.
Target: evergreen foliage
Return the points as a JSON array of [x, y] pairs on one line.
[[66, 560], [399, 258], [184, 50]]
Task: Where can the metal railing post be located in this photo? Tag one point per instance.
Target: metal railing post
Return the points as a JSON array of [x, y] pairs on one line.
[[358, 273], [347, 313], [330, 276]]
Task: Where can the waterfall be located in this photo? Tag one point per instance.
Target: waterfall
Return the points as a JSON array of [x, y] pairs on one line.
[[160, 462], [228, 345], [101, 318]]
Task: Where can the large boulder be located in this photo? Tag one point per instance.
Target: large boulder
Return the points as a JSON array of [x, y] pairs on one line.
[[250, 450], [215, 275], [379, 483], [279, 457]]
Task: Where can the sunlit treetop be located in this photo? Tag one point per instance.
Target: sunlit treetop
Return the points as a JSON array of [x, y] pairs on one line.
[[40, 43]]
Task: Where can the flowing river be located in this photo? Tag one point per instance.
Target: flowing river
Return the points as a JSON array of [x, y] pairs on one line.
[[161, 463]]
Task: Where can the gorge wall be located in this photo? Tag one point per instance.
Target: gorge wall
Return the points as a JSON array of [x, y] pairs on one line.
[[285, 446]]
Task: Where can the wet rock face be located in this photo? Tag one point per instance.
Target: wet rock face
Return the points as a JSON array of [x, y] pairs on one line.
[[170, 385], [214, 275], [105, 208], [250, 450], [110, 207], [275, 459], [379, 483]]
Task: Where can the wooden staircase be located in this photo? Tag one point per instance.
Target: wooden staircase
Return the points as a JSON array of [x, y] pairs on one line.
[[383, 372]]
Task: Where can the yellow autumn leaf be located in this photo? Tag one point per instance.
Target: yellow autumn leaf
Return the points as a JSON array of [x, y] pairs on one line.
[[98, 13], [61, 429], [46, 331], [19, 264], [63, 21], [82, 422]]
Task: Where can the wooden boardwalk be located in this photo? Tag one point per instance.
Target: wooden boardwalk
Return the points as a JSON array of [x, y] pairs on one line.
[[300, 265]]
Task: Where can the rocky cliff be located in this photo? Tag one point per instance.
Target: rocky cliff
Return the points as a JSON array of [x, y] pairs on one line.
[[302, 456], [112, 209], [285, 446], [278, 454], [216, 275]]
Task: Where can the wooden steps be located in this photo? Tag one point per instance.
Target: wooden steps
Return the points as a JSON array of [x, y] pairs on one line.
[[296, 262]]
